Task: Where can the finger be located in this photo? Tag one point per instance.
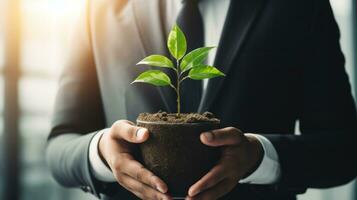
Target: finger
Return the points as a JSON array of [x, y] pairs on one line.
[[139, 189], [129, 166], [213, 177], [124, 129], [216, 192], [221, 137]]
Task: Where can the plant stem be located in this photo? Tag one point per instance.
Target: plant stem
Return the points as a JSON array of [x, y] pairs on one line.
[[178, 88], [183, 79]]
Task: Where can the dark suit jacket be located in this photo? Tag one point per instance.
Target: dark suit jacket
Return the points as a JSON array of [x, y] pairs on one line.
[[283, 63]]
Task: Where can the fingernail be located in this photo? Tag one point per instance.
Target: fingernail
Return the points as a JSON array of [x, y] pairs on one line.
[[209, 136], [140, 134], [161, 189]]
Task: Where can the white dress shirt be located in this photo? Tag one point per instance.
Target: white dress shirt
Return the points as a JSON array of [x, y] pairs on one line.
[[214, 14]]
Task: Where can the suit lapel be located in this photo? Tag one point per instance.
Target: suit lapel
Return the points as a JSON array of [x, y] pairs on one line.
[[167, 93], [240, 19], [153, 37]]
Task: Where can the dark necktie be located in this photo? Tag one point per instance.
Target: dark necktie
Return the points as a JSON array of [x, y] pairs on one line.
[[190, 21]]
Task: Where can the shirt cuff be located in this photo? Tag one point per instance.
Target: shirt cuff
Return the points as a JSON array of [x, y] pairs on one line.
[[268, 172], [100, 171]]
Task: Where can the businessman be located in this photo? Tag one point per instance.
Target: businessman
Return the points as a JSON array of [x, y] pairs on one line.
[[283, 65]]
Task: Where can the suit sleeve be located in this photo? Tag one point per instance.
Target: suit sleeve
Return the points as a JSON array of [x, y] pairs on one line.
[[324, 154], [78, 114]]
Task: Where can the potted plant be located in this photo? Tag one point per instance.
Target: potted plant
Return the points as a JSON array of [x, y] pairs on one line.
[[174, 151]]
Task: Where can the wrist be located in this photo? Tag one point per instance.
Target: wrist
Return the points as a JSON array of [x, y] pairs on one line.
[[101, 147], [256, 154], [98, 166]]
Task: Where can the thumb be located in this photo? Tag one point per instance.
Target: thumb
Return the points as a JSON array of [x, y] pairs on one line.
[[222, 137], [125, 130], [141, 134]]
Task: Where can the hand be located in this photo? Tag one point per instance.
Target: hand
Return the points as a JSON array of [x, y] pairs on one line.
[[116, 148], [240, 156]]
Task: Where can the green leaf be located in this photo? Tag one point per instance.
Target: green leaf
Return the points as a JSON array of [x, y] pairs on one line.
[[204, 71], [177, 43], [194, 58], [157, 61], [154, 77]]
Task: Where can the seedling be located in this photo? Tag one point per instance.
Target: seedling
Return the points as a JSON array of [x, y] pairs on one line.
[[186, 65]]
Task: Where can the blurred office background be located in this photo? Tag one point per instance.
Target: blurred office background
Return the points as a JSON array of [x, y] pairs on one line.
[[33, 43]]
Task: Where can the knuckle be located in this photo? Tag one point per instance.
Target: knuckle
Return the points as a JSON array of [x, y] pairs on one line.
[[208, 183], [141, 189], [156, 196], [232, 129], [124, 128], [140, 174], [138, 194], [209, 195], [152, 180], [203, 186], [115, 128], [118, 124], [153, 195], [116, 164], [117, 167], [111, 133], [119, 178]]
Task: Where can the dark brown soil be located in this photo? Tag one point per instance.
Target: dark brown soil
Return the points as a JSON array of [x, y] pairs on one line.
[[174, 151], [174, 118]]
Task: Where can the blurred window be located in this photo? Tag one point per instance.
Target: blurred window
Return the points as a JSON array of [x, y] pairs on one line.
[[2, 47], [45, 25], [2, 141], [2, 28]]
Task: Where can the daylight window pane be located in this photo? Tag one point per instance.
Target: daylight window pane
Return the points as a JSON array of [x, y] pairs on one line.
[[46, 25], [2, 141], [2, 59], [32, 131], [2, 31], [1, 96], [343, 14], [1, 136], [2, 62], [37, 95], [38, 52], [36, 180], [45, 31], [37, 56]]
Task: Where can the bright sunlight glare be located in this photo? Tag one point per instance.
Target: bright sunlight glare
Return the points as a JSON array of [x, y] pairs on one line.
[[53, 7]]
